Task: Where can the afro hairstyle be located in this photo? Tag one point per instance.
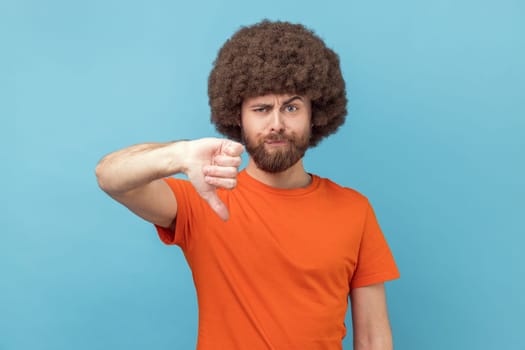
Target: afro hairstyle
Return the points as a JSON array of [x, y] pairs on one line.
[[276, 58]]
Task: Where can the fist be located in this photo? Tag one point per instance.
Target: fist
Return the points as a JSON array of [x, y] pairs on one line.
[[213, 163]]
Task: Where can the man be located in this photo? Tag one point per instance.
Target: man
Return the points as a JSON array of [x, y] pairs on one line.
[[275, 251]]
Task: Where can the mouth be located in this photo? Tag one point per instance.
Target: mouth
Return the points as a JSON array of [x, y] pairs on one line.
[[276, 142]]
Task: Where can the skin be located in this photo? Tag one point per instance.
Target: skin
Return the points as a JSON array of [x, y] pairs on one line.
[[371, 327], [133, 177], [285, 115]]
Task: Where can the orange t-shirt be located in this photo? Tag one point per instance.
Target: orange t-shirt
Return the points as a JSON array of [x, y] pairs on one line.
[[278, 273]]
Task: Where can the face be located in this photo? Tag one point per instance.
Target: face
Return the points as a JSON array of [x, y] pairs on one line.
[[276, 130]]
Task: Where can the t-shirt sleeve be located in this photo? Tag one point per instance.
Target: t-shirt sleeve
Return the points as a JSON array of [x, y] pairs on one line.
[[375, 262], [187, 200]]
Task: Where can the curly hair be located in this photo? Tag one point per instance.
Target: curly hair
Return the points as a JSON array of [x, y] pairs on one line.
[[276, 58]]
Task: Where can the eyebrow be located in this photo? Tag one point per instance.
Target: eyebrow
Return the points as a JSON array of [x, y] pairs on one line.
[[290, 100]]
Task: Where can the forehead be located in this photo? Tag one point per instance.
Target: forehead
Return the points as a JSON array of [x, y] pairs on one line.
[[272, 99]]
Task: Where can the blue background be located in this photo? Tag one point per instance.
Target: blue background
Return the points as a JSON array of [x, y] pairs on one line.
[[434, 138]]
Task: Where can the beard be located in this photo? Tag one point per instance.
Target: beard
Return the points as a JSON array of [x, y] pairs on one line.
[[281, 158]]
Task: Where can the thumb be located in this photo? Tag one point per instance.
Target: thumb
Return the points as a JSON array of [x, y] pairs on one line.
[[217, 205]]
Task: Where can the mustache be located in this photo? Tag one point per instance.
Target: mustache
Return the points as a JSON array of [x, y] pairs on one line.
[[277, 137]]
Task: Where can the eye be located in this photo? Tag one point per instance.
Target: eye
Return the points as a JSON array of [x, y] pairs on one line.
[[260, 109], [290, 108]]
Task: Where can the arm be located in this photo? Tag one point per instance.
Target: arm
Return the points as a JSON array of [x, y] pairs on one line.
[[133, 176], [370, 318]]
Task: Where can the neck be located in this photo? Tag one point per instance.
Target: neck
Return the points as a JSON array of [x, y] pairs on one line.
[[293, 177]]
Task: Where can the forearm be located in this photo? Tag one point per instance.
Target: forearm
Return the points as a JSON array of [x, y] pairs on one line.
[[138, 165]]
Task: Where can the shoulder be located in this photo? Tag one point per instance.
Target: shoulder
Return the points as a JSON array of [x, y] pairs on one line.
[[343, 198], [335, 189]]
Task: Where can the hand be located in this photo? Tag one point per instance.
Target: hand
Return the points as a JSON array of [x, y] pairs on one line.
[[213, 163]]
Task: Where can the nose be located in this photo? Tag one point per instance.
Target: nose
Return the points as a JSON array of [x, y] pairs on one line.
[[276, 121]]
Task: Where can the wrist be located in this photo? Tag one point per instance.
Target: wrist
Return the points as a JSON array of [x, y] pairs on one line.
[[177, 157]]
